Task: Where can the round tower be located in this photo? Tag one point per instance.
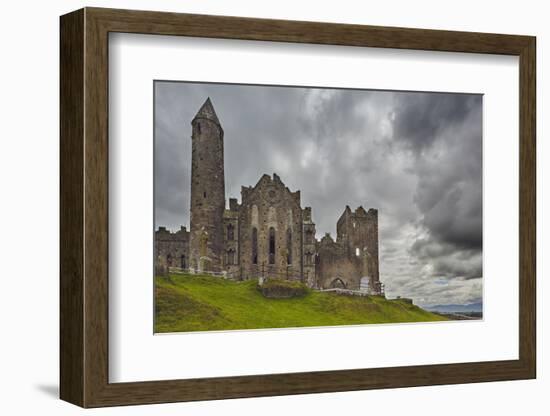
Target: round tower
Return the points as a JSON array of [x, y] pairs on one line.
[[207, 191]]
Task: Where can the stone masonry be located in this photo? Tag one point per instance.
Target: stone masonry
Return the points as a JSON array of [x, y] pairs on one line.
[[172, 249], [207, 191], [268, 234]]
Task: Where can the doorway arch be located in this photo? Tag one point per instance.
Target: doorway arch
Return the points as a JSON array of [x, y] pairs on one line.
[[337, 284]]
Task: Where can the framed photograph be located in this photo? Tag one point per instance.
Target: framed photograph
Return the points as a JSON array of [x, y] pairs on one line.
[[255, 207]]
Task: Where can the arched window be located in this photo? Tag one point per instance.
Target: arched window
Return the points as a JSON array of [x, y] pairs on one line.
[[254, 245], [169, 260], [183, 262], [308, 259], [271, 245], [230, 232], [309, 236], [231, 257], [289, 246]]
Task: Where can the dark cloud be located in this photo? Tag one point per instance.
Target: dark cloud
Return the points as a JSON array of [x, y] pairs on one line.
[[414, 156], [449, 191], [421, 117], [447, 260]]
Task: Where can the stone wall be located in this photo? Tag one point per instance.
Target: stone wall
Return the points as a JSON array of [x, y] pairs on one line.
[[336, 268], [231, 260], [309, 250], [172, 249]]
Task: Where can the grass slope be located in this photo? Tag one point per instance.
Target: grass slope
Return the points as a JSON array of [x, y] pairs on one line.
[[203, 303]]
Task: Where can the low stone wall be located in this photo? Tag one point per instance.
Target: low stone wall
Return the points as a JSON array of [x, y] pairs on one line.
[[347, 292]]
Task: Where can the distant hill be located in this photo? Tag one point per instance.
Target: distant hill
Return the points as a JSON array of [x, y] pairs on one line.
[[205, 303], [470, 307]]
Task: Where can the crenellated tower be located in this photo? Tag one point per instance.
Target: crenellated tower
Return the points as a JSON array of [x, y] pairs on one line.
[[207, 191], [358, 232]]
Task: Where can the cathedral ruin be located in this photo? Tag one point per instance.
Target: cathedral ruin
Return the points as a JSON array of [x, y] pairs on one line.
[[268, 234]]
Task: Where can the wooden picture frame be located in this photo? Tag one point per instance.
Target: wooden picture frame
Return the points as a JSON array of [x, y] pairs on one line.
[[84, 207]]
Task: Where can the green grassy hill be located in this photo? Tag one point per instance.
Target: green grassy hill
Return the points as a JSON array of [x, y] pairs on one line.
[[204, 303]]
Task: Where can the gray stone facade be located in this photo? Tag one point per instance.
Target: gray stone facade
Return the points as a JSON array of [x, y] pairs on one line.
[[351, 262], [172, 249], [268, 234], [270, 225]]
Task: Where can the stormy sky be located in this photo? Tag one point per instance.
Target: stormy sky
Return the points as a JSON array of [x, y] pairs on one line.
[[415, 156]]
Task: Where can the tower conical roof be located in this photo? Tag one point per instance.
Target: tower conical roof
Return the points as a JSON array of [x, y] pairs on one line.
[[207, 111]]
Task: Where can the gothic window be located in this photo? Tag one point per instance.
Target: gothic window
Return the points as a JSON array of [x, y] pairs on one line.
[[271, 245], [308, 259], [230, 232], [183, 262], [231, 257], [357, 252], [199, 128], [204, 194], [254, 245], [169, 260], [289, 246], [309, 237]]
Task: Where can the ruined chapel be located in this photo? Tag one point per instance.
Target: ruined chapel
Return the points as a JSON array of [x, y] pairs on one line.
[[268, 234]]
